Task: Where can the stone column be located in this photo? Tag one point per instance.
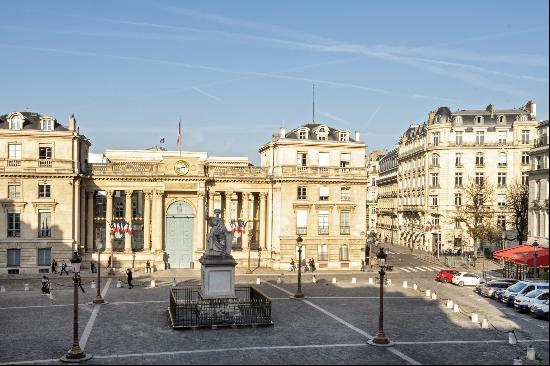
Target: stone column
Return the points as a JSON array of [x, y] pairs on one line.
[[263, 197], [128, 219], [83, 219], [147, 223], [90, 222], [76, 217], [200, 220], [211, 195], [158, 217], [245, 218], [108, 220], [269, 220], [227, 214]]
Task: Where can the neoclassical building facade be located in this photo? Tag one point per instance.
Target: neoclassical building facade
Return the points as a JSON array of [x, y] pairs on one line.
[[139, 205]]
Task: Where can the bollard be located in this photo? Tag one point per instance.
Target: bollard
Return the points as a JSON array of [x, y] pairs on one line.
[[314, 279], [26, 287], [484, 324], [428, 293], [456, 309], [2, 289], [92, 285], [474, 318], [153, 283], [517, 361], [405, 284], [118, 283], [333, 279], [415, 286], [258, 281], [531, 353], [512, 338], [371, 280], [449, 304], [434, 296], [354, 280]]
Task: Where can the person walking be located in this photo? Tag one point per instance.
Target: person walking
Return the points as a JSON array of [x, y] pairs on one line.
[[63, 268], [45, 285], [292, 265], [311, 265], [147, 266], [54, 266], [109, 261], [129, 276], [92, 267], [362, 265]]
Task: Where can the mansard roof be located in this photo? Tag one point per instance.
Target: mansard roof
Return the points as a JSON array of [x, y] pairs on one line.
[[31, 121], [333, 133]]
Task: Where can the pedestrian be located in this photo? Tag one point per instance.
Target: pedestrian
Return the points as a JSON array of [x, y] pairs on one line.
[[129, 276], [45, 285], [362, 265], [63, 268], [54, 266], [109, 261], [303, 265], [147, 266], [312, 265], [292, 265], [92, 267]]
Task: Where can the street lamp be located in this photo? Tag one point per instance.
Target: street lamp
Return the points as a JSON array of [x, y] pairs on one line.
[[98, 298], [75, 353], [380, 339], [535, 246], [299, 294]]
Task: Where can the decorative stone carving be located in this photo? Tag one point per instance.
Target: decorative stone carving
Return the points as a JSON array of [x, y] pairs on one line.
[[219, 239]]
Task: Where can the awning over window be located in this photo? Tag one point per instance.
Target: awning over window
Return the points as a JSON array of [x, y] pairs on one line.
[[523, 254]]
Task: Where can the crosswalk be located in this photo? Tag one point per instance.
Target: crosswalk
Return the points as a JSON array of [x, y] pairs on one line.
[[421, 269]]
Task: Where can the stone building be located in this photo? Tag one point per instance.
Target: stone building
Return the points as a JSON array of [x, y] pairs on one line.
[[139, 205], [538, 187], [387, 223], [373, 168]]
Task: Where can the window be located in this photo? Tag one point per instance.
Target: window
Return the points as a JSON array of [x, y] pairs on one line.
[[44, 224], [435, 160], [322, 134], [458, 137], [345, 159], [344, 253], [323, 193], [458, 120], [479, 159], [324, 159], [525, 158], [433, 200], [502, 159], [302, 135], [525, 136], [344, 222], [501, 221], [14, 191], [458, 199], [322, 252], [14, 225], [345, 194], [44, 191], [502, 137], [537, 190], [323, 222], [434, 179], [480, 137], [100, 204], [524, 178], [301, 222], [14, 151], [45, 152], [457, 224], [523, 118], [47, 124], [458, 160], [302, 159], [479, 120], [479, 178], [501, 200], [16, 123], [435, 138], [373, 182], [458, 179], [44, 257], [501, 119], [373, 210], [119, 204], [302, 193], [14, 257], [501, 179], [344, 136]]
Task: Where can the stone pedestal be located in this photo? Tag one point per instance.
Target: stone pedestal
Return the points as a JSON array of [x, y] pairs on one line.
[[217, 276]]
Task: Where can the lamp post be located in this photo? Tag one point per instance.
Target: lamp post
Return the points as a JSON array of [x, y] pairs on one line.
[[380, 338], [536, 269], [299, 294], [98, 298], [75, 353]]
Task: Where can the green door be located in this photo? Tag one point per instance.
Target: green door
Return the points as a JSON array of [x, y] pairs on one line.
[[179, 235]]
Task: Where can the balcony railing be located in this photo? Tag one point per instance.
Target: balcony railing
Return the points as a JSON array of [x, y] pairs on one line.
[[14, 162], [318, 171], [34, 164], [45, 163], [344, 230], [301, 231], [323, 230], [502, 165]]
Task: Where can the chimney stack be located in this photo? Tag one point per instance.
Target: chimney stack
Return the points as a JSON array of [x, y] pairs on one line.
[[357, 136], [72, 123], [282, 132], [532, 109]]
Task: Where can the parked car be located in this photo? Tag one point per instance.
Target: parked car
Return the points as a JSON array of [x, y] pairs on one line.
[[466, 279], [490, 288], [446, 275], [521, 288], [540, 310], [522, 303]]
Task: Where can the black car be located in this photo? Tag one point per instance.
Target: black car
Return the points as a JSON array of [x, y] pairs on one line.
[[490, 288]]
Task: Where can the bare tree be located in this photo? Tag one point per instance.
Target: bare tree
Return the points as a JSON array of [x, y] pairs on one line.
[[517, 202], [477, 213]]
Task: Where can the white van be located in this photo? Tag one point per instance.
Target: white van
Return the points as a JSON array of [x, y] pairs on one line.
[[521, 288]]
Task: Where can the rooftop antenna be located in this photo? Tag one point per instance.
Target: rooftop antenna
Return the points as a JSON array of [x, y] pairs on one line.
[[313, 103]]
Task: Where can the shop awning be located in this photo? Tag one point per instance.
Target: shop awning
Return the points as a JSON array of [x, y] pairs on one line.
[[523, 254]]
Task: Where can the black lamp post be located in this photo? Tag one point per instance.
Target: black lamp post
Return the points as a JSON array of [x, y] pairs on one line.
[[75, 353], [380, 339], [98, 298], [536, 270], [299, 294]]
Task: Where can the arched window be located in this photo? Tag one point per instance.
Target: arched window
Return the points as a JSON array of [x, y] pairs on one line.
[[502, 159], [16, 123], [479, 119], [501, 119], [458, 120], [435, 160]]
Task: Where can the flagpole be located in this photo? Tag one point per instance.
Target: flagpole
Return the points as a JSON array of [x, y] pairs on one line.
[[179, 135]]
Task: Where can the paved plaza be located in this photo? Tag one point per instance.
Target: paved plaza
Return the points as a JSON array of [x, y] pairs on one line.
[[331, 326]]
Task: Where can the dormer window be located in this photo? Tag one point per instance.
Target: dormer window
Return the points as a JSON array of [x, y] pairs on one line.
[[501, 119], [438, 119], [47, 124], [523, 118], [322, 133], [16, 123], [479, 120], [302, 135], [344, 136], [458, 120]]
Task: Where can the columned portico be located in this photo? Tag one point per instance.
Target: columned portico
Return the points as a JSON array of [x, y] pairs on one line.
[[200, 220], [263, 197], [245, 205], [128, 219], [227, 214], [147, 222], [158, 218], [90, 221], [108, 220]]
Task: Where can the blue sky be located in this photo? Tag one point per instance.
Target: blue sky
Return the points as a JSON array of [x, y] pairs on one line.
[[235, 71]]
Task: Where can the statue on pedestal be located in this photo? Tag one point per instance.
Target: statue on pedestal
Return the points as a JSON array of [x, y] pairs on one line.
[[219, 239]]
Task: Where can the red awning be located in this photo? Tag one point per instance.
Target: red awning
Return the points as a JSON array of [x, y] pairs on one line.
[[523, 254]]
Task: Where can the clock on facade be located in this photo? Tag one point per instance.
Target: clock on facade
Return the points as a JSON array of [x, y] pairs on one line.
[[181, 167]]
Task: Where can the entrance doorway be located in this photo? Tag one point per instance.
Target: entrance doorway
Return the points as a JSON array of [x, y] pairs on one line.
[[179, 235]]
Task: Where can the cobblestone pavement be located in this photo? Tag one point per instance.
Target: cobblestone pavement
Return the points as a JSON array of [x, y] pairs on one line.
[[331, 326]]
